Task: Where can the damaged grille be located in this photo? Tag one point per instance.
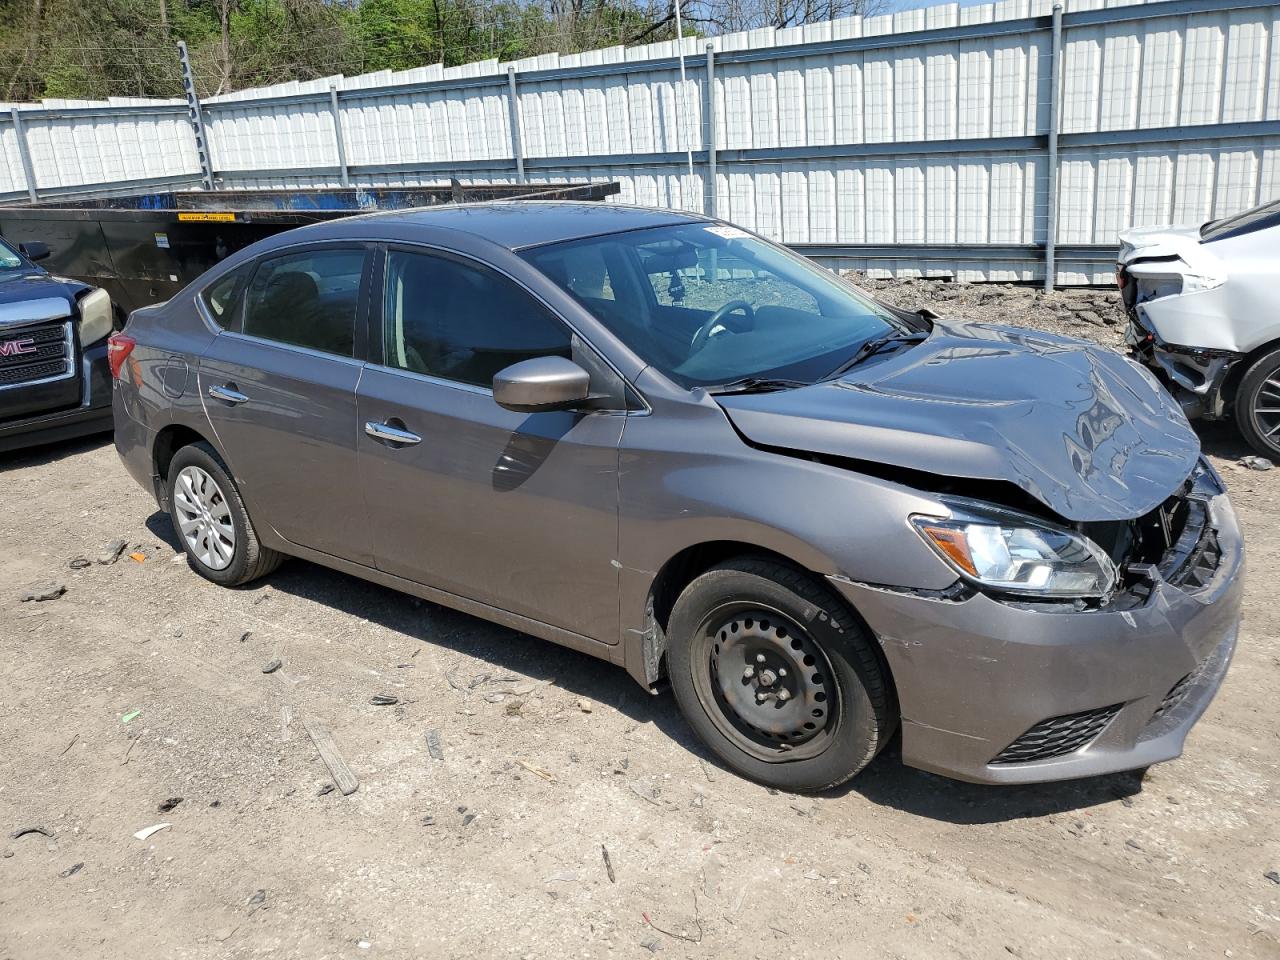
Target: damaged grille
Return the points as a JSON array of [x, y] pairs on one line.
[[1058, 736]]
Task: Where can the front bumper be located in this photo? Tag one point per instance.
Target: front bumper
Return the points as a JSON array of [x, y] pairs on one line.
[[92, 414], [1194, 376], [973, 676]]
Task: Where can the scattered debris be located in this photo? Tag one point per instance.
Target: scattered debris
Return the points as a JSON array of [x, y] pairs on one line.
[[537, 771], [245, 636], [608, 864], [272, 666], [433, 745], [44, 590], [131, 716], [428, 821], [69, 745], [23, 831], [258, 899], [706, 770], [567, 876], [1273, 876], [72, 870], [468, 819], [384, 700], [584, 705], [133, 742], [325, 790], [648, 793], [138, 556], [80, 563], [169, 805], [653, 946], [697, 919], [1253, 462], [112, 552], [342, 775], [147, 832], [1132, 844]]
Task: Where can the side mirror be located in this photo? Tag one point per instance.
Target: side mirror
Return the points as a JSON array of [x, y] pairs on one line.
[[543, 383], [34, 250]]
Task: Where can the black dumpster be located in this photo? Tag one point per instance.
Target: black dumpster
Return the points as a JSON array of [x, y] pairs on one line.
[[143, 248]]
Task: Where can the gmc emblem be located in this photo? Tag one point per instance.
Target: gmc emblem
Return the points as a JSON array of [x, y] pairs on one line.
[[15, 348]]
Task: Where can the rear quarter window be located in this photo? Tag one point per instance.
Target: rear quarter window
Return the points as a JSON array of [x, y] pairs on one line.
[[223, 297]]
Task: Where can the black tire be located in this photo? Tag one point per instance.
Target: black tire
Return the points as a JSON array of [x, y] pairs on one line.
[[249, 558], [771, 601], [1260, 387]]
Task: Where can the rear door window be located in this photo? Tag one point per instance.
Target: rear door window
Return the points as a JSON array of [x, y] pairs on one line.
[[307, 299], [460, 321]]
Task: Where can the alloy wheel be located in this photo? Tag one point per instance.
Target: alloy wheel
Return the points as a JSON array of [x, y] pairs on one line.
[[204, 518], [1266, 410]]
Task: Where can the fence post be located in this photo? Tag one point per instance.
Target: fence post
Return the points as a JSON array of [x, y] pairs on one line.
[[193, 114], [24, 153], [710, 111], [513, 114], [1055, 80], [337, 134]]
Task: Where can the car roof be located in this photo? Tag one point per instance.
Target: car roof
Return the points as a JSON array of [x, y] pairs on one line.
[[515, 224]]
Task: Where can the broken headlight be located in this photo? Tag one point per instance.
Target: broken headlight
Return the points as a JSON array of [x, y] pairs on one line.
[[1017, 553]]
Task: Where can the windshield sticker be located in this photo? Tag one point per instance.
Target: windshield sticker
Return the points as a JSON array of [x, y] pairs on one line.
[[728, 233]]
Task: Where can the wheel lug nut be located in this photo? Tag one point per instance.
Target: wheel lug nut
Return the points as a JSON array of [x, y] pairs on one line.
[[748, 673], [782, 671], [784, 694], [759, 658]]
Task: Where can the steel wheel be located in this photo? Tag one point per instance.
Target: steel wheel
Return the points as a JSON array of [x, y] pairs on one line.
[[204, 518], [765, 683]]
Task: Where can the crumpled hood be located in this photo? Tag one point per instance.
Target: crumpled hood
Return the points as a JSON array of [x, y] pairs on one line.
[[1078, 427]]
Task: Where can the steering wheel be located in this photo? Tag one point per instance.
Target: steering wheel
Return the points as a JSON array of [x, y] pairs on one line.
[[703, 336]]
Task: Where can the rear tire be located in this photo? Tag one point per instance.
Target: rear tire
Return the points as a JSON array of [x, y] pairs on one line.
[[211, 520], [750, 628], [1259, 390]]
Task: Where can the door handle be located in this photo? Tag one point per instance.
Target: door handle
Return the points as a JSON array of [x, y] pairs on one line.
[[384, 431], [227, 394]]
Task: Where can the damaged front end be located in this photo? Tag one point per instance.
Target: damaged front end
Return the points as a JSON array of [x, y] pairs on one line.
[[1001, 687]]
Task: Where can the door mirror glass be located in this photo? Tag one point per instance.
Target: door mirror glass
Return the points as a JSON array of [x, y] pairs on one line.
[[34, 250], [543, 383]]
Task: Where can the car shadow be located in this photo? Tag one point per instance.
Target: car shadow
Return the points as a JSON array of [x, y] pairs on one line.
[[46, 453], [886, 782], [1220, 438]]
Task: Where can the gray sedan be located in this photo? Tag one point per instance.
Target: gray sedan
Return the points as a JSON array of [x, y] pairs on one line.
[[661, 440]]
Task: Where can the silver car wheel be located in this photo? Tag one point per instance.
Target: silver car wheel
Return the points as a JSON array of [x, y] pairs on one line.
[[204, 518], [1266, 410]]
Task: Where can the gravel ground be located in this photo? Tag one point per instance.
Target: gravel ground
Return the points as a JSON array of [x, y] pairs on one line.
[[143, 683]]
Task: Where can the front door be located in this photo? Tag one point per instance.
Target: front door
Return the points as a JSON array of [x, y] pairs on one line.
[[519, 511], [279, 387]]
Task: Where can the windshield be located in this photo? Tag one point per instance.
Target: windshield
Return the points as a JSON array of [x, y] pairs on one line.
[[709, 304], [9, 260], [1259, 218]]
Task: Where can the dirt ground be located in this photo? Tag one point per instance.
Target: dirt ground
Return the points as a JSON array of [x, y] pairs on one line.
[[144, 683]]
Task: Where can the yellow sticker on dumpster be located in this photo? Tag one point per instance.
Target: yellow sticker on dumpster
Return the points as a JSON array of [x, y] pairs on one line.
[[206, 216]]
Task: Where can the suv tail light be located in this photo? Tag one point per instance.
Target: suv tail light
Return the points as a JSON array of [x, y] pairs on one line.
[[119, 346]]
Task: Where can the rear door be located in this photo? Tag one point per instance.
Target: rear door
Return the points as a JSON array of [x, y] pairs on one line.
[[519, 511], [279, 388]]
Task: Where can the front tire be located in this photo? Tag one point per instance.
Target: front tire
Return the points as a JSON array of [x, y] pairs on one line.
[[1257, 405], [777, 677], [211, 520]]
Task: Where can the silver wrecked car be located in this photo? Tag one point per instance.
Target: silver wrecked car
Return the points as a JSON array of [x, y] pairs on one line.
[[661, 440], [1202, 314]]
